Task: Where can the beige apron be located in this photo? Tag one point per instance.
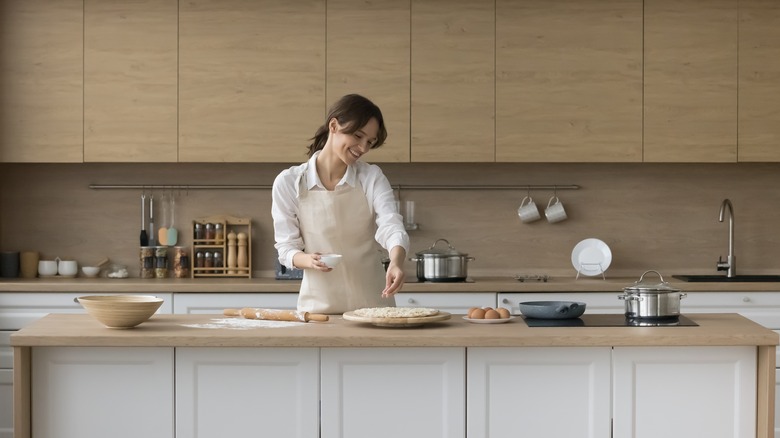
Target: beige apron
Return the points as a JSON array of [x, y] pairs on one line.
[[340, 222]]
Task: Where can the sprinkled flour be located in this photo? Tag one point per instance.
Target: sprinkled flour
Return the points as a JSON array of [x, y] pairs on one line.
[[243, 324]]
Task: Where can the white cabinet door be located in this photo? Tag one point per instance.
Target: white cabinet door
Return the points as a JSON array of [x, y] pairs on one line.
[[393, 392], [457, 303], [683, 392], [216, 303], [6, 403], [538, 392], [90, 392], [250, 392]]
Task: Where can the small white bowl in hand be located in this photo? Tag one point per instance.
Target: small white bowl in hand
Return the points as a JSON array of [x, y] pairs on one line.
[[331, 260]]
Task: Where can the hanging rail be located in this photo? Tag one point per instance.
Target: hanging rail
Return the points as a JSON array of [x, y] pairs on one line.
[[268, 187]]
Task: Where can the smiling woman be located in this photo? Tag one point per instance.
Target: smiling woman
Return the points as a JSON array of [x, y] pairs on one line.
[[336, 203]]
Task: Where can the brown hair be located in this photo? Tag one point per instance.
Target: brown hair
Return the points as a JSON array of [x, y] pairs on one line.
[[353, 112]]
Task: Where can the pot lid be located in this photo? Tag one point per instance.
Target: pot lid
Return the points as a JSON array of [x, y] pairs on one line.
[[643, 285], [433, 251]]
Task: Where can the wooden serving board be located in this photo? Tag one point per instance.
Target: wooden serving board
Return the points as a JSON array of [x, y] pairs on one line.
[[398, 322]]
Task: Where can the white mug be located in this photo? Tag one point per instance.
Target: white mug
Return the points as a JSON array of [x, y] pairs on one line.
[[67, 268], [528, 211], [47, 268], [555, 212]]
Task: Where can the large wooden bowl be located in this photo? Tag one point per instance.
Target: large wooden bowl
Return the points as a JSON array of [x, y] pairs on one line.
[[121, 311]]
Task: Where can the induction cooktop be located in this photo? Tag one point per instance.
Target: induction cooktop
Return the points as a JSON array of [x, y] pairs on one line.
[[610, 320]]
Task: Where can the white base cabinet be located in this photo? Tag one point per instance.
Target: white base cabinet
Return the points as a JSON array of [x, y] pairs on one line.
[[683, 392], [231, 392], [538, 392], [92, 392], [6, 402], [393, 392]]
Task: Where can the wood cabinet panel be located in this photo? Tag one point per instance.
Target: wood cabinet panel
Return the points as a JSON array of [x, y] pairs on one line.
[[759, 80], [368, 47], [251, 79], [130, 81], [453, 81], [569, 81], [690, 87], [41, 79]]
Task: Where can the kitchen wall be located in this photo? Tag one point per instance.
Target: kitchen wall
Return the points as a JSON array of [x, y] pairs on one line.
[[653, 216]]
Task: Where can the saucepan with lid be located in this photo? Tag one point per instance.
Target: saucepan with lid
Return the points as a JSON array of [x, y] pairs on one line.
[[441, 264], [647, 299]]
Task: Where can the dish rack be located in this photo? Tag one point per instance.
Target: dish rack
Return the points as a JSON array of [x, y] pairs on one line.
[[220, 243]]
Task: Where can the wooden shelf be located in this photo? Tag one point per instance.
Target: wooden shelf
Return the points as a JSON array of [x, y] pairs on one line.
[[229, 224]]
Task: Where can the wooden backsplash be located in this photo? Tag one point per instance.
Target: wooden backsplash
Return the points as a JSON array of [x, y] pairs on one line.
[[653, 216]]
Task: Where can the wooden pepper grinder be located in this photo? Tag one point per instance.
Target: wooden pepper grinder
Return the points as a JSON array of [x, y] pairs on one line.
[[242, 261], [231, 256]]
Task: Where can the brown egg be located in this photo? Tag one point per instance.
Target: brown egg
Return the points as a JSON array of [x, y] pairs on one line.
[[471, 310], [477, 314], [504, 312], [492, 314], [487, 308]]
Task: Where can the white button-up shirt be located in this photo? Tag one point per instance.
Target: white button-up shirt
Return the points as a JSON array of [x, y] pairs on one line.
[[381, 202]]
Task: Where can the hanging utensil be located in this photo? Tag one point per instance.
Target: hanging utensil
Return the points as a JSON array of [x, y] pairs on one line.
[[162, 233], [152, 237], [173, 233], [144, 236]]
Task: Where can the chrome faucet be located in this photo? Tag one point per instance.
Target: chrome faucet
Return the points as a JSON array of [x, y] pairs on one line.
[[730, 264]]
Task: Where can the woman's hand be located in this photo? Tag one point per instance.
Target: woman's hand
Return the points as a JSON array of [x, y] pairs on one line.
[[395, 276], [303, 260]]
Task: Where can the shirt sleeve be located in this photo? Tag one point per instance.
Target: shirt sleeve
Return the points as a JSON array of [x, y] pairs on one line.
[[284, 210], [390, 228]]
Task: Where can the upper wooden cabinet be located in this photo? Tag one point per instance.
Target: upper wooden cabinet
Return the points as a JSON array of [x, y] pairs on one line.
[[453, 81], [690, 81], [251, 79], [130, 81], [368, 48], [41, 73], [569, 81], [759, 80]]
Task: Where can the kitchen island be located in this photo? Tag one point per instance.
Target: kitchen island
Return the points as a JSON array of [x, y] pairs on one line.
[[191, 375]]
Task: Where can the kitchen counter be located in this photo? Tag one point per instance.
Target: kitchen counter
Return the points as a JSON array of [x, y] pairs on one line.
[[71, 352], [262, 285], [172, 331]]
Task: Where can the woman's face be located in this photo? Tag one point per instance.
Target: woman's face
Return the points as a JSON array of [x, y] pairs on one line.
[[350, 147]]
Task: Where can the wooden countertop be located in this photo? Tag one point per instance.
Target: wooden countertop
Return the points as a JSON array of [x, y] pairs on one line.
[[267, 285], [171, 331]]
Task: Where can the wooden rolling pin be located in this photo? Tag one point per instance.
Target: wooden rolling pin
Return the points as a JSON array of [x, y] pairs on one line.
[[275, 314]]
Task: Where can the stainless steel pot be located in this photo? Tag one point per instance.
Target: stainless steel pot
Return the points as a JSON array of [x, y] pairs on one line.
[[437, 264], [647, 300]]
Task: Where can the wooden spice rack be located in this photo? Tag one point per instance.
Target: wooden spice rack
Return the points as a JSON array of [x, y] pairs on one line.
[[220, 244]]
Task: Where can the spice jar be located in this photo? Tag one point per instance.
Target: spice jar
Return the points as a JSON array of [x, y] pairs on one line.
[[219, 233], [200, 233], [210, 231], [208, 260], [181, 262], [147, 262], [200, 259], [161, 261], [218, 262]]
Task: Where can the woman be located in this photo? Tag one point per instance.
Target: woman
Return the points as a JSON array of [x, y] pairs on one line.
[[335, 203]]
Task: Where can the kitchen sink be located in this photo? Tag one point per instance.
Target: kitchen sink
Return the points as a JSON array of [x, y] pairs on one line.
[[748, 278]]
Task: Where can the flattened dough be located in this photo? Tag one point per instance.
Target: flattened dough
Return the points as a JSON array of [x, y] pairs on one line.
[[395, 312]]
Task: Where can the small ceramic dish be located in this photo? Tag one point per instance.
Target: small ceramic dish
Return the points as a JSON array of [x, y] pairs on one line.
[[489, 321]]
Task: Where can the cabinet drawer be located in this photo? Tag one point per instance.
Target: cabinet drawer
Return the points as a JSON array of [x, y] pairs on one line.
[[597, 302], [19, 309], [6, 352], [215, 303], [457, 303], [761, 307]]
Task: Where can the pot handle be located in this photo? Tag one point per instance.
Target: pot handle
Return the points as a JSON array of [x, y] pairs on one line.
[[642, 277], [566, 308], [414, 259], [630, 297], [441, 240]]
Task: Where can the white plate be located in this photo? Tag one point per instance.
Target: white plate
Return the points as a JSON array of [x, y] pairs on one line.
[[489, 321], [591, 257]]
